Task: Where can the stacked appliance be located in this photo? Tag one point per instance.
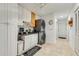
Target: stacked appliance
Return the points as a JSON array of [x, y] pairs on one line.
[[40, 29]]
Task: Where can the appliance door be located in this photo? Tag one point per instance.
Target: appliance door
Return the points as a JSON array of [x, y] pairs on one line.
[[37, 25], [42, 25], [41, 37]]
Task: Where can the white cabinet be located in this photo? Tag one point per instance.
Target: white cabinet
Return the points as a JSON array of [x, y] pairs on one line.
[[12, 29], [12, 39], [30, 41], [8, 29], [34, 40], [27, 43], [28, 16], [3, 13], [20, 15], [3, 30], [23, 15], [3, 40], [12, 13], [10, 16]]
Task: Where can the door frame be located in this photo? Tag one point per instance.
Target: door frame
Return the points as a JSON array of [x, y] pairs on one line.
[[76, 47]]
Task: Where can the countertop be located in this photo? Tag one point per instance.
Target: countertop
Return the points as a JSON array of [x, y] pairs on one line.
[[31, 33]]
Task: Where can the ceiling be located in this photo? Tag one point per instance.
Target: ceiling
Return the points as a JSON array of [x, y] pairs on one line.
[[48, 8]]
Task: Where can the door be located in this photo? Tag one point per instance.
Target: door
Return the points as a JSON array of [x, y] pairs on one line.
[[12, 39], [62, 27], [12, 29], [3, 39], [3, 12], [3, 29], [77, 31]]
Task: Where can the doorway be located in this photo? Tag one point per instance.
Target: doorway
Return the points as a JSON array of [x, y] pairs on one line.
[[62, 28]]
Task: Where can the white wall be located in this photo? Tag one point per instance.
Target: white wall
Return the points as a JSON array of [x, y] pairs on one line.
[[50, 29], [71, 31]]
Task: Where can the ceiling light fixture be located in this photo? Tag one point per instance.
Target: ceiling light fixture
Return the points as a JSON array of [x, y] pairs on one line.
[[61, 16], [42, 5]]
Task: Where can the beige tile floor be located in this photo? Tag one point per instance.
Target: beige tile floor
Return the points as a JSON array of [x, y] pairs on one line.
[[61, 48]]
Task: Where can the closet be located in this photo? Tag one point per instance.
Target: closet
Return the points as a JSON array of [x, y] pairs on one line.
[[8, 29]]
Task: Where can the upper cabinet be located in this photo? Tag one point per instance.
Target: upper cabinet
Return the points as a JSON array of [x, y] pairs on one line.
[[28, 16], [20, 15], [33, 18], [3, 13], [23, 15], [8, 13], [12, 13]]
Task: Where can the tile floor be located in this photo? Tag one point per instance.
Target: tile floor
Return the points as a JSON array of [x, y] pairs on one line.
[[61, 48]]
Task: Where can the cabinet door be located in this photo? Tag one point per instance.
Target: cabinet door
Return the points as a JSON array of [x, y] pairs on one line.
[[24, 14], [12, 13], [3, 40], [3, 12], [31, 41], [27, 43], [12, 39], [20, 14], [28, 16], [34, 40]]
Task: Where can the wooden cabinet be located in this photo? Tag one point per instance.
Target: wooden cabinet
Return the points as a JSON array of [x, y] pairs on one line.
[[20, 15], [33, 18]]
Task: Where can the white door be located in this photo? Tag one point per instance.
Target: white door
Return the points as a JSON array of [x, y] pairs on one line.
[[12, 28], [3, 30], [12, 13], [8, 33], [62, 27], [12, 39], [3, 40], [3, 12]]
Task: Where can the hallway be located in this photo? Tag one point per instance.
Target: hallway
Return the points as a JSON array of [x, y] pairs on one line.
[[61, 48]]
